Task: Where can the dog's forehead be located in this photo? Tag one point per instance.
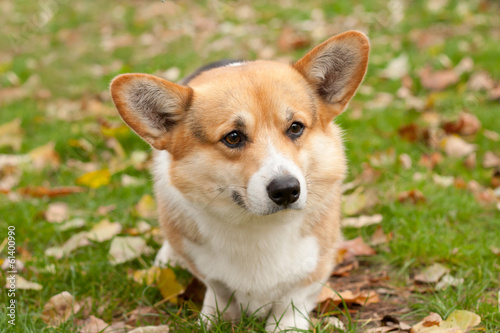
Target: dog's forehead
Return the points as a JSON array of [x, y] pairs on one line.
[[265, 88]]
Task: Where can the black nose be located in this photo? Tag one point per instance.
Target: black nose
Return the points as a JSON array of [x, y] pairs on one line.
[[284, 190]]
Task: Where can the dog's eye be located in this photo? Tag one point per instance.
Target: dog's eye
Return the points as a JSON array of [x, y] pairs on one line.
[[295, 130], [234, 139]]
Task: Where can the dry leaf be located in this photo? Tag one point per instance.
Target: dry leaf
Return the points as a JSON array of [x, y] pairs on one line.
[[104, 231], [455, 146], [59, 308], [147, 276], [383, 158], [329, 299], [92, 325], [458, 321], [11, 134], [168, 284], [22, 283], [146, 207], [480, 81], [127, 248], [413, 196], [397, 68], [405, 161], [491, 160], [437, 80], [57, 212], [444, 181], [95, 179], [357, 247], [430, 161], [40, 191], [151, 329], [72, 224], [466, 124], [44, 156], [290, 40], [361, 221], [431, 274], [494, 94], [74, 242], [144, 315], [379, 237], [449, 281]]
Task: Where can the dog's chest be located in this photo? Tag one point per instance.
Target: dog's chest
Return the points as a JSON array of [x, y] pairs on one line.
[[259, 262]]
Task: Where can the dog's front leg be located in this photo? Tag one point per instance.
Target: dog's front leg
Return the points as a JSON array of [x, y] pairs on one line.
[[291, 312], [219, 303]]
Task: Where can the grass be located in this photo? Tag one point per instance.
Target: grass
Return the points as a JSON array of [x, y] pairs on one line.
[[76, 54]]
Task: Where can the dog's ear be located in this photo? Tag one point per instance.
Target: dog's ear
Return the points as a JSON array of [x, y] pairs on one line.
[[151, 106], [335, 68]]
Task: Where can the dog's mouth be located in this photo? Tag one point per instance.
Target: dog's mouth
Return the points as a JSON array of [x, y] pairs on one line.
[[240, 201]]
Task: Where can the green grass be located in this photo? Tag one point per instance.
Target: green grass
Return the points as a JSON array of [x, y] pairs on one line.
[[68, 57]]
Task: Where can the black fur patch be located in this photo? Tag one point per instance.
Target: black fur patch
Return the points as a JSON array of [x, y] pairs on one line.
[[237, 198], [220, 63]]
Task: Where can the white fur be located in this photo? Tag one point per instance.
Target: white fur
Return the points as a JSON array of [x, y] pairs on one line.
[[259, 263], [274, 166]]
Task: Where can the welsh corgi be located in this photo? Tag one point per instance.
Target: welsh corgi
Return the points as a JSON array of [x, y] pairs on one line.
[[248, 166]]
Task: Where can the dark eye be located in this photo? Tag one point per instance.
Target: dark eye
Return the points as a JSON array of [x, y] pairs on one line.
[[295, 130], [234, 139]]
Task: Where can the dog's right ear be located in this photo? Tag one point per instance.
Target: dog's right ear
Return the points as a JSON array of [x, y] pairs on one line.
[[151, 106]]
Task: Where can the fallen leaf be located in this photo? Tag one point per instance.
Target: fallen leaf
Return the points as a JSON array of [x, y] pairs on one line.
[[464, 319], [455, 146], [127, 248], [491, 160], [431, 274], [92, 325], [437, 80], [430, 161], [480, 80], [103, 210], [22, 283], [444, 181], [466, 124], [11, 171], [146, 207], [11, 134], [361, 221], [74, 242], [413, 196], [144, 315], [457, 322], [151, 329], [57, 212], [493, 136], [45, 156], [104, 231], [411, 132], [405, 161], [397, 68], [168, 284], [290, 40], [147, 276], [40, 191], [379, 237], [95, 179], [71, 224], [383, 158], [494, 94], [357, 247], [329, 299], [381, 101], [59, 308], [449, 281]]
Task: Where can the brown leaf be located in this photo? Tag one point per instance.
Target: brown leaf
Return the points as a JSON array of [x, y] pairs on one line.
[[59, 308], [151, 329], [22, 283], [290, 40], [104, 231], [411, 132], [11, 134], [491, 160], [40, 191], [379, 237], [144, 315], [494, 94], [437, 80], [357, 247], [92, 325], [480, 81], [430, 161], [330, 299], [466, 124], [413, 196], [44, 156], [455, 146]]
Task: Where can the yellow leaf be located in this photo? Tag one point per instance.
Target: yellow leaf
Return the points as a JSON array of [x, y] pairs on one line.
[[11, 134], [168, 284], [95, 179], [148, 276], [115, 132], [146, 207], [45, 155], [463, 319]]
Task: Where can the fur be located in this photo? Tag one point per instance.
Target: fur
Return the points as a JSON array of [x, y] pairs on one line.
[[214, 204]]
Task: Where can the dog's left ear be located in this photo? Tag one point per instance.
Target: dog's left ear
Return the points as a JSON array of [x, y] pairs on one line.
[[335, 69]]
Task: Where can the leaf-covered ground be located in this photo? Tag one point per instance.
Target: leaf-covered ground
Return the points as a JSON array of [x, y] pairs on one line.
[[422, 135]]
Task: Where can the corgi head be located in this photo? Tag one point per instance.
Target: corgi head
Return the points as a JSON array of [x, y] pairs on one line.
[[254, 136]]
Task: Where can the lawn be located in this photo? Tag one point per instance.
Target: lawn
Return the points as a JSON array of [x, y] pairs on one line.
[[422, 137]]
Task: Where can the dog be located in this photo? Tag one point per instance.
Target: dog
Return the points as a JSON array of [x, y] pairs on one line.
[[248, 166]]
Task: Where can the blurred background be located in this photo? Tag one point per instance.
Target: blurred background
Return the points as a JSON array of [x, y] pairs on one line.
[[422, 137]]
